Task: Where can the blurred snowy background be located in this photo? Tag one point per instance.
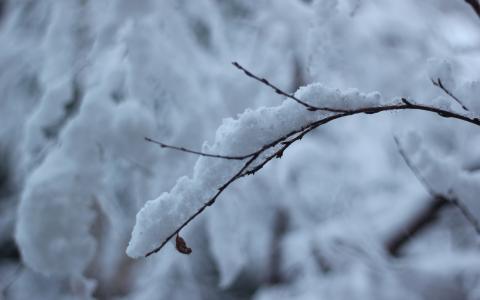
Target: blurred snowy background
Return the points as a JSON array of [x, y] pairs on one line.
[[82, 82]]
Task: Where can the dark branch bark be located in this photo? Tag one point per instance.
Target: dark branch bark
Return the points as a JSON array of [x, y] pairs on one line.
[[416, 224], [475, 5]]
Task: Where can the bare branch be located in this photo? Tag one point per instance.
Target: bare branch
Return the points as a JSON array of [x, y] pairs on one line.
[[439, 84], [280, 228], [231, 157], [475, 6], [283, 93]]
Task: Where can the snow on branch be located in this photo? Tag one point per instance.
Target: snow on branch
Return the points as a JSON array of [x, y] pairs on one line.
[[264, 134], [283, 93]]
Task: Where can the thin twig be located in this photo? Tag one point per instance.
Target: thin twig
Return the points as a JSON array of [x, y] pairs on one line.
[[414, 169], [469, 216], [283, 93], [182, 149], [438, 83]]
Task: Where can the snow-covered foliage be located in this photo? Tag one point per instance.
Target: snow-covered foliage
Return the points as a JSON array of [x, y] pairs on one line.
[[83, 197]]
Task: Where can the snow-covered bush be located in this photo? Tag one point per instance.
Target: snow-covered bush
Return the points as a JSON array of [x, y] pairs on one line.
[[375, 194]]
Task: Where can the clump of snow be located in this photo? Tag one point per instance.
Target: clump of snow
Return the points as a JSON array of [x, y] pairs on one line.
[[318, 94], [254, 128]]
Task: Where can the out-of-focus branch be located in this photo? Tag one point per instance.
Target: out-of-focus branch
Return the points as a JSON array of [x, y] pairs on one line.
[[469, 216], [256, 162], [419, 221], [414, 169], [4, 291], [3, 4], [475, 6], [426, 216], [280, 227], [438, 83]]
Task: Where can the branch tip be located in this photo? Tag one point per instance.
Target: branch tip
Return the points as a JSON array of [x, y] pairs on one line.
[[438, 83], [406, 102]]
